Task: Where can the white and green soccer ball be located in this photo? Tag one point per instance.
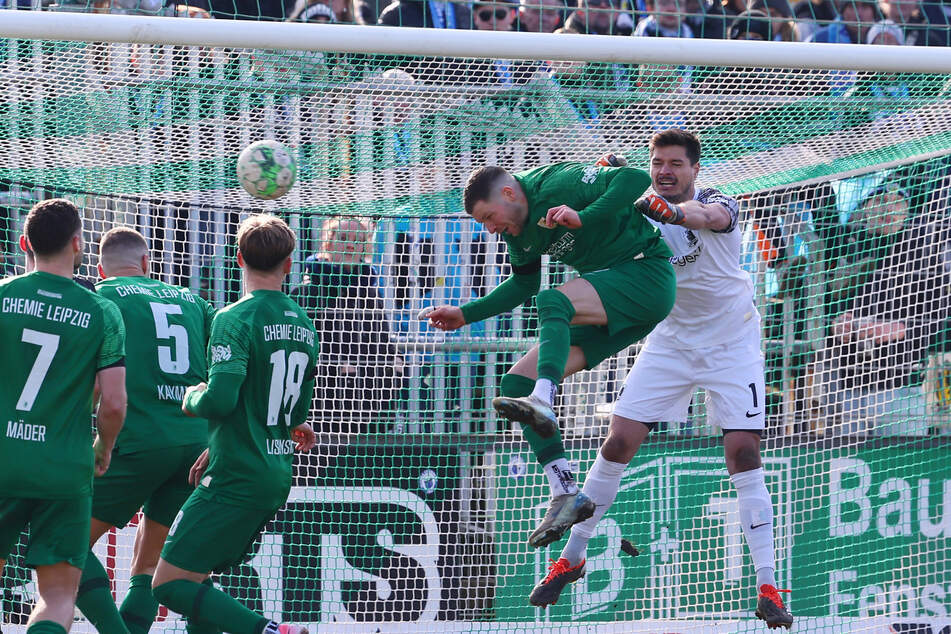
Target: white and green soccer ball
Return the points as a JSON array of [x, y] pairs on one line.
[[267, 169]]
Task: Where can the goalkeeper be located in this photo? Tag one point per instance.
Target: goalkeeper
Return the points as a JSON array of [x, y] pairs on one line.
[[584, 216]]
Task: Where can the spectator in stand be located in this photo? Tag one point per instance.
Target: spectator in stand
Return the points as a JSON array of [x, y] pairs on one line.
[[733, 7], [494, 16], [812, 15], [312, 12], [541, 16], [663, 21], [886, 33], [706, 18], [855, 18], [923, 23], [781, 15], [498, 15], [596, 17], [436, 14], [752, 25], [359, 371], [895, 291]]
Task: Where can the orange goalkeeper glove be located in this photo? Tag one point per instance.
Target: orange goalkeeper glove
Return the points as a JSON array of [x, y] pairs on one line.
[[611, 159], [656, 208]]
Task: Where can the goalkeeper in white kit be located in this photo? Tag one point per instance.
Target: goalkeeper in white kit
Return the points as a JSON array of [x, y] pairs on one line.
[[710, 339]]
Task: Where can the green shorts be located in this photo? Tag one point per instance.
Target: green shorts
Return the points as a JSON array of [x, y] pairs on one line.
[[155, 481], [209, 536], [59, 529], [636, 296]]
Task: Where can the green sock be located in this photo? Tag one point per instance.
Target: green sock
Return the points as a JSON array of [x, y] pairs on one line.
[[195, 626], [46, 627], [95, 601], [545, 449], [554, 336], [206, 605], [139, 606]]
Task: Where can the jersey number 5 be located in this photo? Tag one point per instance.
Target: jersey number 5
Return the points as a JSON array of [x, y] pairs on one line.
[[287, 376], [48, 345], [164, 330]]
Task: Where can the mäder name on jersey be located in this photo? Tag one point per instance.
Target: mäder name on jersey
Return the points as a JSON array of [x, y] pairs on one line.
[[42, 310], [26, 431]]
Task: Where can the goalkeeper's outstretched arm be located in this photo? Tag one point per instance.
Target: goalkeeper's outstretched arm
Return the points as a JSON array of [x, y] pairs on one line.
[[514, 291], [692, 214]]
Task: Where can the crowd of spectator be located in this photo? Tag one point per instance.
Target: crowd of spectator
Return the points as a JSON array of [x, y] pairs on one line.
[[884, 22]]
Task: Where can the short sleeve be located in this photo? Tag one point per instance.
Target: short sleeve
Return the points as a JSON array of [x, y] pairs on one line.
[[112, 348], [710, 196], [228, 345]]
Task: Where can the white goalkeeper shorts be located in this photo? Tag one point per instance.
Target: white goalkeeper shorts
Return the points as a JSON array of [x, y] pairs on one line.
[[663, 379]]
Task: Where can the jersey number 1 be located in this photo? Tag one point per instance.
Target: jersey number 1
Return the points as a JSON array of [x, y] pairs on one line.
[[287, 376], [48, 345]]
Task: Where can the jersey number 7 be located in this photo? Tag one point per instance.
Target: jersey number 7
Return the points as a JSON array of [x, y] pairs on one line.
[[48, 345]]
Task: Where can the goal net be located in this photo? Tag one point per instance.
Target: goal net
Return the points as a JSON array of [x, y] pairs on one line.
[[416, 503]]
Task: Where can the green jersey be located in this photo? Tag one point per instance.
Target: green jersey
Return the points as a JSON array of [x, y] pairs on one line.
[[55, 335], [166, 355], [612, 230], [271, 342]]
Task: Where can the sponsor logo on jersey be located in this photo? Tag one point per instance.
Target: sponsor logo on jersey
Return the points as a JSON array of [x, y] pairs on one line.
[[561, 246], [687, 259], [590, 174], [220, 353]]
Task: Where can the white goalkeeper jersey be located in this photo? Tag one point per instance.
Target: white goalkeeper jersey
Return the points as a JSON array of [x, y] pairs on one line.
[[714, 294]]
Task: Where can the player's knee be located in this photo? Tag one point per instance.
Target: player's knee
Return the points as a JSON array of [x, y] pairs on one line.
[[745, 458], [163, 591], [553, 303], [619, 448], [516, 385]]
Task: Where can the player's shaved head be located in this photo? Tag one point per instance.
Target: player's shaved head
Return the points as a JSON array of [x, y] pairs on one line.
[[482, 185], [50, 226], [121, 248], [265, 241]]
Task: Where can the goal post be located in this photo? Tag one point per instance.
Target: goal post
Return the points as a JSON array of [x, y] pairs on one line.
[[416, 503]]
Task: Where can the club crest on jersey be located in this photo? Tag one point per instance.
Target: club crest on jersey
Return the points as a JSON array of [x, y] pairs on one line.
[[220, 353], [589, 175]]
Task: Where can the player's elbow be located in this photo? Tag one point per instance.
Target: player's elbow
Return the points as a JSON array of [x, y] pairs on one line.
[[112, 406]]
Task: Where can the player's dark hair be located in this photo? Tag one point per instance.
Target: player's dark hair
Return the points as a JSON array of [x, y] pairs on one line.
[[480, 185], [675, 136], [265, 241], [51, 224]]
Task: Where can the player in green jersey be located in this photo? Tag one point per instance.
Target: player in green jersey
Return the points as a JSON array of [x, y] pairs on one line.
[[59, 340], [158, 444], [584, 216], [262, 355]]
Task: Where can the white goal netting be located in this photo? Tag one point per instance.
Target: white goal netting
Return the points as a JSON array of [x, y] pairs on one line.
[[416, 503]]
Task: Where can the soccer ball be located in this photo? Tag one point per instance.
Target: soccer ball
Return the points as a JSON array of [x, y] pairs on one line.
[[267, 169]]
